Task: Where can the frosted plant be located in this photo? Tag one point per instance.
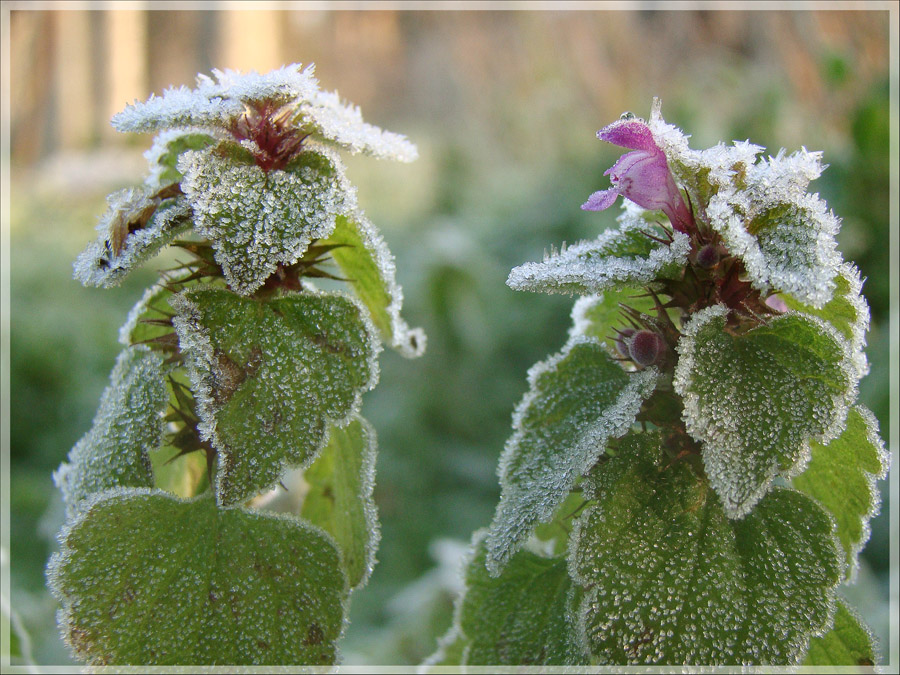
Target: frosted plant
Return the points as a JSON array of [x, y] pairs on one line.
[[690, 479], [235, 369]]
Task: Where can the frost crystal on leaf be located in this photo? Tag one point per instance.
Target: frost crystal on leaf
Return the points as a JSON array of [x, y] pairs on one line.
[[343, 124], [577, 400], [364, 259], [848, 643], [127, 426], [670, 579], [751, 401], [145, 579], [138, 223], [621, 257], [167, 147], [258, 220], [269, 377]]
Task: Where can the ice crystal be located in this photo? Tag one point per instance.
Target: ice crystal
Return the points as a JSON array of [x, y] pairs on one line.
[[849, 643], [258, 220], [127, 426], [146, 579], [137, 224], [752, 403], [577, 400], [622, 257], [167, 147]]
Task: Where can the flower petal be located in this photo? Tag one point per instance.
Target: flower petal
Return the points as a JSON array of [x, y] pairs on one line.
[[629, 133], [600, 200]]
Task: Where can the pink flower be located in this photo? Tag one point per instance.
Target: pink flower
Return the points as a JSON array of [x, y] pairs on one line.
[[642, 176]]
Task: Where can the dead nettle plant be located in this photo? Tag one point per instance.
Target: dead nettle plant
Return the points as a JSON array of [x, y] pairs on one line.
[[690, 480], [235, 368]]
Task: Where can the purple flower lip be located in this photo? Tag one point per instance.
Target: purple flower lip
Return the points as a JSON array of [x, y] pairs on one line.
[[642, 175]]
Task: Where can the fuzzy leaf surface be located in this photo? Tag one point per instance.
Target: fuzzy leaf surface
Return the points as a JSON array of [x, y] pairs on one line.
[[339, 498], [622, 257], [365, 260], [848, 643], [145, 578], [669, 578], [269, 377], [577, 400], [522, 617], [258, 220], [127, 426], [756, 400], [841, 477]]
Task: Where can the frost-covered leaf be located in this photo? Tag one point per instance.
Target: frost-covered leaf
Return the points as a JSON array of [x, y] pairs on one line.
[[216, 103], [339, 496], [847, 311], [167, 147], [257, 220], [269, 377], [670, 579], [522, 617], [621, 257], [138, 223], [145, 578], [365, 260], [342, 124], [141, 326], [756, 400], [848, 643], [127, 426], [786, 245], [552, 538], [578, 399], [451, 651], [841, 477]]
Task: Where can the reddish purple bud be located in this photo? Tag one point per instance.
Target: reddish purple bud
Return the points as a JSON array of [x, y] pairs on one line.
[[621, 343], [642, 176], [646, 347], [708, 257]]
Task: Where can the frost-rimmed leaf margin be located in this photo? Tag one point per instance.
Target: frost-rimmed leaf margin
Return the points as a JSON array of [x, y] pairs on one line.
[[850, 642], [650, 521], [127, 426], [99, 265], [199, 348], [740, 478], [522, 507], [363, 256], [340, 499], [833, 478], [618, 257], [180, 614], [167, 147], [506, 629], [289, 208]]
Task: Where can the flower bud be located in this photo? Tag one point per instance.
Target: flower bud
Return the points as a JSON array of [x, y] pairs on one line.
[[621, 343], [708, 257], [646, 347]]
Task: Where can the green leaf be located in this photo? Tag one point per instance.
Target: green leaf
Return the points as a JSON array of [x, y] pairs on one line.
[[670, 579], [366, 261], [339, 497], [554, 534], [127, 426], [617, 258], [848, 643], [167, 147], [578, 399], [841, 477], [269, 377], [184, 476], [258, 220], [847, 312], [755, 400], [145, 578], [451, 651], [599, 315], [522, 617]]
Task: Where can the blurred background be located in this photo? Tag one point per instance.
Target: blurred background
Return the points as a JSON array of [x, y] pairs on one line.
[[504, 106]]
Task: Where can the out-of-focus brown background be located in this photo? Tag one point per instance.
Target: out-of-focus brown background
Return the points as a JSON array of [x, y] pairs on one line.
[[504, 106]]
